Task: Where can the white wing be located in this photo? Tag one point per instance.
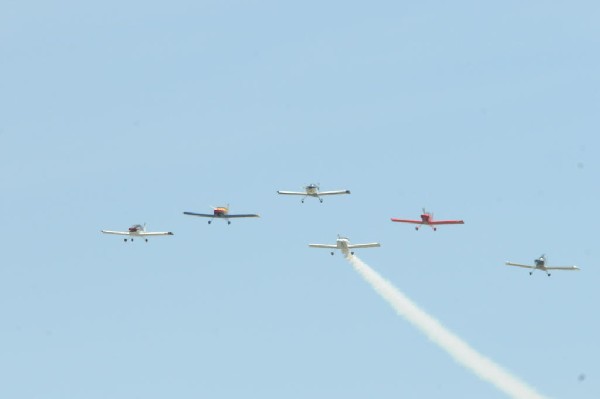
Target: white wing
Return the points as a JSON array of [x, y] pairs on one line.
[[323, 246], [563, 268], [369, 245], [156, 233], [291, 192], [334, 192], [520, 265], [120, 233]]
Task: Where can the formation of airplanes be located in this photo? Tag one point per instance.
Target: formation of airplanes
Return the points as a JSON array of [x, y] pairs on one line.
[[342, 244]]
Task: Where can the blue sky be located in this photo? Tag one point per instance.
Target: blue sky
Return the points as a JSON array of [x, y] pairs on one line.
[[115, 114]]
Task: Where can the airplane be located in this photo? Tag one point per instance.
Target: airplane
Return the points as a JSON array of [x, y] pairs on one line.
[[312, 190], [427, 219], [221, 212], [540, 263], [343, 244], [137, 230]]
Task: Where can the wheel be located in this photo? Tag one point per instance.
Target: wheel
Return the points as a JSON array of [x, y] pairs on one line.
[[302, 200], [435, 229], [228, 222], [146, 239], [132, 240], [321, 200], [417, 228], [530, 273], [351, 253], [332, 253], [125, 239], [209, 221], [549, 274]]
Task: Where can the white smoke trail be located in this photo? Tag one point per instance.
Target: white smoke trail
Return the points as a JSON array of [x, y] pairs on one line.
[[456, 347]]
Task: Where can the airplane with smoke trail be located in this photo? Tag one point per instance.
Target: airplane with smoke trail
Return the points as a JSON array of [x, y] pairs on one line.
[[137, 230], [222, 212], [312, 190], [344, 245], [427, 220], [540, 264]]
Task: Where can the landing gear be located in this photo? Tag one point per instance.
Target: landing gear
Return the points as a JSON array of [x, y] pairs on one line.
[[209, 221], [229, 222], [435, 229], [549, 274], [125, 239], [321, 200], [417, 228], [351, 253], [146, 239], [530, 273], [332, 253], [302, 200]]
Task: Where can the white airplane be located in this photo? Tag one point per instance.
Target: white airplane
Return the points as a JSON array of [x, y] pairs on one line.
[[540, 263], [312, 190], [137, 230], [343, 244]]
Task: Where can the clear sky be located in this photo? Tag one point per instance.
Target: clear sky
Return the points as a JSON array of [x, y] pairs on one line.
[[115, 113]]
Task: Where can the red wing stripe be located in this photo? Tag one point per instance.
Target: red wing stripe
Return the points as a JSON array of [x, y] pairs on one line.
[[447, 222], [407, 221]]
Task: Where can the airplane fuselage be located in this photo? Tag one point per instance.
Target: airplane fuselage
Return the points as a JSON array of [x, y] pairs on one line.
[[426, 218], [342, 244], [312, 190], [540, 263], [220, 212]]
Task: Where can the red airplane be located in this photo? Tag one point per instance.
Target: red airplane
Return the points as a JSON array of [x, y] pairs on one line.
[[427, 219]]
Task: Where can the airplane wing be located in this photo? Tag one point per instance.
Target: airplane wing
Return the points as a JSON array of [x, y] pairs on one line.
[[407, 221], [447, 222], [120, 233], [520, 265], [204, 215], [563, 268], [369, 245], [333, 192], [291, 192], [155, 233], [247, 215], [333, 246]]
